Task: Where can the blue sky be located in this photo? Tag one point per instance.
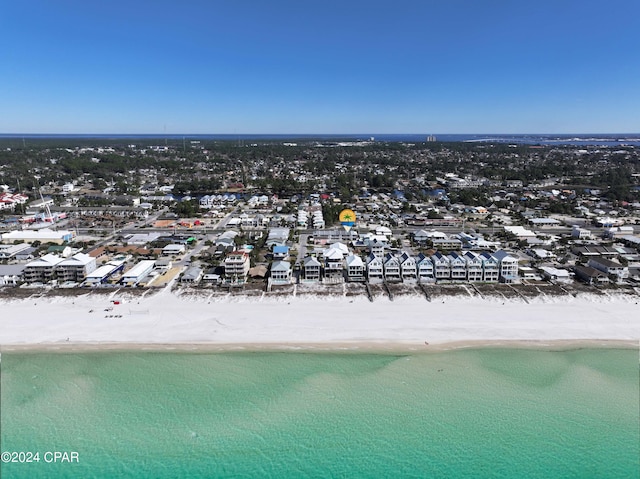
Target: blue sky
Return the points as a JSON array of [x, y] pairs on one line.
[[283, 66]]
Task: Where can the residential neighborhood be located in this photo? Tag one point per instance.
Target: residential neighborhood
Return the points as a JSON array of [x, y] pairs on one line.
[[266, 217]]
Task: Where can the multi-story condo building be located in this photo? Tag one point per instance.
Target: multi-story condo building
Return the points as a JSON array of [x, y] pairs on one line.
[[236, 266], [42, 269], [75, 268]]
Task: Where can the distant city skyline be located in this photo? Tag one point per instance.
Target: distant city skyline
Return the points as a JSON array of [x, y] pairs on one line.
[[283, 67]]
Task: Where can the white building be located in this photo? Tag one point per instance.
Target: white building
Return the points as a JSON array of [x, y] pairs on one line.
[[474, 267], [609, 267], [554, 274], [44, 235], [375, 270], [311, 269], [391, 266], [236, 266], [11, 274], [281, 272], [173, 249], [138, 272], [508, 267], [104, 272], [42, 269], [408, 270], [490, 268], [424, 268], [355, 268], [76, 268]]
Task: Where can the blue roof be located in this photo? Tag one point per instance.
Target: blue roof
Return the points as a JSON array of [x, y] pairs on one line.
[[280, 249]]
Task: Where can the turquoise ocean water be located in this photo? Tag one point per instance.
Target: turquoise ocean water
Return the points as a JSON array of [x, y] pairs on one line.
[[466, 413]]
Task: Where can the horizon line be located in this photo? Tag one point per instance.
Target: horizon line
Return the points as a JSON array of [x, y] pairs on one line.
[[12, 134]]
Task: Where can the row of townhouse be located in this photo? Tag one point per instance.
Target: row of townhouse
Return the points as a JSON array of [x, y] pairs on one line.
[[316, 221], [403, 267], [208, 201]]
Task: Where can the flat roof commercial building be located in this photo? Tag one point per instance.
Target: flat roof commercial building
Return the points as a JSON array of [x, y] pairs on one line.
[[138, 272]]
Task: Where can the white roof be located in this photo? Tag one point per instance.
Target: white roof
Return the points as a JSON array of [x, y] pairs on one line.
[[102, 271], [46, 260], [41, 234], [354, 260], [140, 268], [340, 246], [559, 273], [519, 231], [332, 253], [77, 259], [174, 247]]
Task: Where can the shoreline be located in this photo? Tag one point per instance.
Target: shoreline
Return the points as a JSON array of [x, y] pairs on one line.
[[328, 348]]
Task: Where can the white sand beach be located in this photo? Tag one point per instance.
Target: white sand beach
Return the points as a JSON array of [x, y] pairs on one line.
[[167, 320]]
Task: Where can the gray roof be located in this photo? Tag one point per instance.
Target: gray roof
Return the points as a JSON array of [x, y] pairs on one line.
[[280, 266], [310, 261], [193, 273], [11, 269]]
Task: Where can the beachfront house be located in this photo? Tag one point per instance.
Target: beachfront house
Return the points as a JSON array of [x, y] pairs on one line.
[[311, 269], [441, 267], [391, 265], [610, 267], [474, 267], [103, 273], [192, 275], [355, 268], [333, 265], [236, 266], [508, 267], [555, 275], [374, 269], [408, 269], [424, 268], [11, 274], [458, 265], [280, 272], [590, 275], [490, 268]]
